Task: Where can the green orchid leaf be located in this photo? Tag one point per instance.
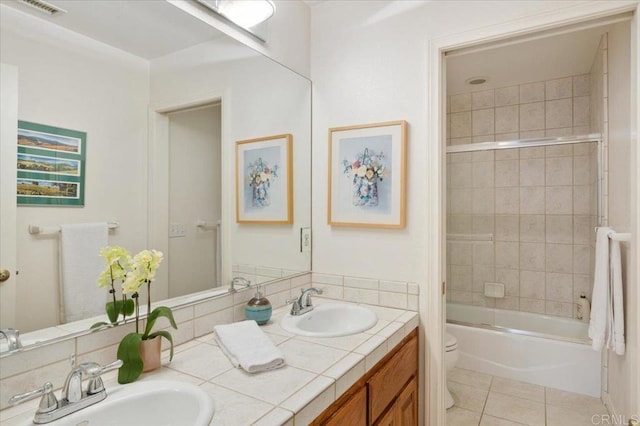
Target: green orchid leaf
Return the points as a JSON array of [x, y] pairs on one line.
[[167, 336], [98, 325], [160, 311], [113, 310], [129, 307], [129, 353]]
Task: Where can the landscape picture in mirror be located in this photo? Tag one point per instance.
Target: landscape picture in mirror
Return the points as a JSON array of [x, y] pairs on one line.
[[51, 165]]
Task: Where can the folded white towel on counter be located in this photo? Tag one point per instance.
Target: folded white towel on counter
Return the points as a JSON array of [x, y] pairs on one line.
[[248, 347]]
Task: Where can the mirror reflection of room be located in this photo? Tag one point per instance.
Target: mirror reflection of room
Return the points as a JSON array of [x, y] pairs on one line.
[[167, 183]]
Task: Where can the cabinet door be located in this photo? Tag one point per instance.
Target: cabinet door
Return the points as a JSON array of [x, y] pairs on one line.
[[352, 413], [390, 418], [406, 406]]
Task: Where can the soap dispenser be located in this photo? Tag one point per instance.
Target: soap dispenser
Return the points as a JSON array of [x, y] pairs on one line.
[[258, 308]]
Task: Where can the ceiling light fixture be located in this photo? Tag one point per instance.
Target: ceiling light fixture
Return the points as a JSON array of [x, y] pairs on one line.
[[244, 13]]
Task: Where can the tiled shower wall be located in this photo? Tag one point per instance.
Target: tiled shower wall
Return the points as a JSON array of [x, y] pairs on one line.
[[538, 204], [557, 107]]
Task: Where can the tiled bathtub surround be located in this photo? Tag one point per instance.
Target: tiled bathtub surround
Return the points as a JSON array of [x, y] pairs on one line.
[[394, 294], [550, 108], [538, 203], [318, 371]]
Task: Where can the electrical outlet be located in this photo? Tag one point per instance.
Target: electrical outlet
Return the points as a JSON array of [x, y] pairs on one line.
[[305, 239], [177, 230]]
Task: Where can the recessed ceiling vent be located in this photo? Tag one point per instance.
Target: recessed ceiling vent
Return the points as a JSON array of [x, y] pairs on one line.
[[475, 81], [43, 7]]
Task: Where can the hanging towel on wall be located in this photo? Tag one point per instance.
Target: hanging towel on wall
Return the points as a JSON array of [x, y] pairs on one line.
[[616, 316], [606, 326], [600, 295], [80, 266], [248, 347]]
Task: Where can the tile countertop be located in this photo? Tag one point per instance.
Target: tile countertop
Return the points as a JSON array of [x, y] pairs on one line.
[[318, 371]]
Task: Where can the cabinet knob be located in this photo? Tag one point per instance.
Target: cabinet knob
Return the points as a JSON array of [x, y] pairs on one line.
[[4, 275]]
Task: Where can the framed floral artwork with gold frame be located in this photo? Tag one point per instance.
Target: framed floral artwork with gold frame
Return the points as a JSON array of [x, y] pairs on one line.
[[264, 186], [367, 172]]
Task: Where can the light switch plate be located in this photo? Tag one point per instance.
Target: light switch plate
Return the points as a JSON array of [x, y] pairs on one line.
[[305, 239], [177, 230]]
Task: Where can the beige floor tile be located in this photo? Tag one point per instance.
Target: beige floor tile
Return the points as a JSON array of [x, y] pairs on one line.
[[575, 401], [560, 416], [495, 421], [515, 409], [468, 397], [519, 389], [461, 417], [469, 377]]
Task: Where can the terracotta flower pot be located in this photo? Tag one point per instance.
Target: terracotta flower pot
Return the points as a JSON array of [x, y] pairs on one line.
[[150, 353]]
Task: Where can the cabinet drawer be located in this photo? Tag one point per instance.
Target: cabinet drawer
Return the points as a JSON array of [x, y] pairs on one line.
[[387, 383]]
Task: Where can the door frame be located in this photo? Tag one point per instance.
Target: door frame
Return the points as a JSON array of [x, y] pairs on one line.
[[158, 172], [8, 205], [434, 307]]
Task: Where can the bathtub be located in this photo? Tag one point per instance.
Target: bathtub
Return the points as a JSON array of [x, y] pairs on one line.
[[540, 349]]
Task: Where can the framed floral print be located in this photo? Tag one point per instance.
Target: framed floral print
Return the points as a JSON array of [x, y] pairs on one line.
[[367, 171], [264, 187]]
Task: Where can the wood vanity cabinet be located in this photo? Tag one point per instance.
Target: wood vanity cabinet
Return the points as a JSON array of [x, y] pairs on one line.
[[387, 395]]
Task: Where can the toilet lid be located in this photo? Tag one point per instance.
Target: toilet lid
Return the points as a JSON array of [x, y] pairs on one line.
[[450, 340]]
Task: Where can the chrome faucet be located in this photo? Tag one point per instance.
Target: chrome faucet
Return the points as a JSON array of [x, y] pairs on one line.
[[302, 304], [73, 397], [13, 338], [239, 281]]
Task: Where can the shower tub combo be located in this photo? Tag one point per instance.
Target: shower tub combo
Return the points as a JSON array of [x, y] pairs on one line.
[[540, 349]]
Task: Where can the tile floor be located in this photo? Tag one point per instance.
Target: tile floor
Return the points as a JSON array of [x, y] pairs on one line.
[[485, 400]]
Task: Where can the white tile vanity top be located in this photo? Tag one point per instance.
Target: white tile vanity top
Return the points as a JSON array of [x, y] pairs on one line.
[[318, 371]]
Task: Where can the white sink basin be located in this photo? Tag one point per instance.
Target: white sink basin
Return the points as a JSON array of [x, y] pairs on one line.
[[331, 320], [152, 402]]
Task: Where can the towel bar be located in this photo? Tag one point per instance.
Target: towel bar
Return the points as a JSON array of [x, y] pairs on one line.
[[621, 236], [469, 237], [207, 226], [37, 229]]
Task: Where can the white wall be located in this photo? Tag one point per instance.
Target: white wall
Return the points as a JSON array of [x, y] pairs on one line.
[[622, 388], [194, 194], [264, 99], [371, 66], [67, 80]]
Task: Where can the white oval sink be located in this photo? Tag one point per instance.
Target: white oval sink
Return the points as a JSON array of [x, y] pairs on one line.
[[152, 402], [331, 320]]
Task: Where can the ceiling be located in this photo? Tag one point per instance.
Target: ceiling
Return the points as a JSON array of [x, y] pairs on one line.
[[540, 59], [147, 29]]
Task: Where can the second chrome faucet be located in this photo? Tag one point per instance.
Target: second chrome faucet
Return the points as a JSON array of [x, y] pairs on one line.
[[303, 303]]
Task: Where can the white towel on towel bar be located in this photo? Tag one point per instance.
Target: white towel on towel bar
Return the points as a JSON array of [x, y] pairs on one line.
[[600, 295], [606, 326], [616, 316], [80, 266], [248, 347]]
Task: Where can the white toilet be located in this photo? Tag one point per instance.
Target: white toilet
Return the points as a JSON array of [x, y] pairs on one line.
[[450, 359]]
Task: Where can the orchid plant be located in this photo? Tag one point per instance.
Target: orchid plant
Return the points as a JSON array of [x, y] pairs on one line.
[[118, 261], [142, 271]]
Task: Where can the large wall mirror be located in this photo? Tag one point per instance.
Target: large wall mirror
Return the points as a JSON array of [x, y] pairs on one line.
[[163, 97]]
